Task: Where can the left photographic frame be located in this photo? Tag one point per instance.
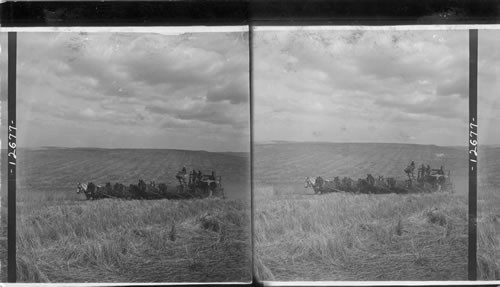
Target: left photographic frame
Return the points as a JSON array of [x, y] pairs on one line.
[[133, 155]]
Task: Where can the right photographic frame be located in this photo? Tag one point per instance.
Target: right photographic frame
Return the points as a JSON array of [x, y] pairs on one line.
[[360, 157]]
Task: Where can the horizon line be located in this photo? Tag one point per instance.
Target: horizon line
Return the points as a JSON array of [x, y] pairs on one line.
[[148, 148], [360, 142], [255, 142]]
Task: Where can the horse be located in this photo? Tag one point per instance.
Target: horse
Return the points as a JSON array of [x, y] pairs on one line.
[[83, 188], [90, 190], [142, 187], [121, 191], [380, 181], [163, 188], [391, 182], [364, 186], [320, 185], [138, 191], [337, 183], [370, 179], [152, 191], [347, 184], [312, 183], [325, 185]]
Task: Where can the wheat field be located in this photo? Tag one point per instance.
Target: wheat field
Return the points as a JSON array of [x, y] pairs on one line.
[[64, 238], [341, 236], [488, 214], [298, 235]]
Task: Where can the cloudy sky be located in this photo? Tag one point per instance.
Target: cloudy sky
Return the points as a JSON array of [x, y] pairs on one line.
[[135, 90], [489, 86], [361, 86], [191, 91]]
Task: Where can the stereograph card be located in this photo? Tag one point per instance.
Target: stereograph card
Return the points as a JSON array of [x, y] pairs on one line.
[[249, 143]]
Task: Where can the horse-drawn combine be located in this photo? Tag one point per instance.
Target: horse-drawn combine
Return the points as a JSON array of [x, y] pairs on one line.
[[192, 185], [427, 180], [195, 182]]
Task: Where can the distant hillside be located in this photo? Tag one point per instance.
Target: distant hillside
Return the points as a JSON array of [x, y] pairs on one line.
[[292, 162]]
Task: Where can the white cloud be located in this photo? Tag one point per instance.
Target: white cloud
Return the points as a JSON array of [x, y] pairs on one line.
[[98, 83], [378, 86]]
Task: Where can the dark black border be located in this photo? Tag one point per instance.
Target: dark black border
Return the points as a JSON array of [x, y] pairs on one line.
[[374, 12], [120, 13], [252, 197], [11, 169], [241, 12], [473, 54]]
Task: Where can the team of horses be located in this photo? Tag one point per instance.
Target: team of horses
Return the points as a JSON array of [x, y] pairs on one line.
[[427, 180], [347, 184], [192, 185], [141, 190], [118, 190], [369, 185]]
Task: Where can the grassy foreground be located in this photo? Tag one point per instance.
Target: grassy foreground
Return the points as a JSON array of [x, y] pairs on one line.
[[340, 236], [488, 214], [488, 233], [134, 241]]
